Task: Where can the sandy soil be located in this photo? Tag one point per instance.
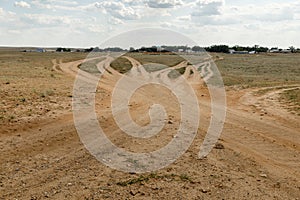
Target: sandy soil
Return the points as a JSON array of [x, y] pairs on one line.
[[257, 156]]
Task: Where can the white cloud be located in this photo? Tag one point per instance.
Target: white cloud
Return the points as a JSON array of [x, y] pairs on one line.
[[14, 32], [63, 2], [62, 5], [275, 13], [118, 10], [133, 2], [115, 21], [208, 8], [184, 18], [7, 16], [217, 14], [43, 19], [235, 22], [96, 28], [215, 20], [163, 3], [22, 4]]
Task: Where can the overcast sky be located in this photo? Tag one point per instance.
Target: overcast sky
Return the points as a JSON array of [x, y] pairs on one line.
[[88, 23]]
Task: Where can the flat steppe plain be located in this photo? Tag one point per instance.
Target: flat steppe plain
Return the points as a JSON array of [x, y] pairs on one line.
[[257, 156]]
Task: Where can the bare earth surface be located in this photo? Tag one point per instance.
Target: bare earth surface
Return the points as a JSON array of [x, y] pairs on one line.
[[257, 156]]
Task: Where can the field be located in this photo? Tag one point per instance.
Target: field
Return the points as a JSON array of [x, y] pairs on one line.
[[260, 70], [41, 155]]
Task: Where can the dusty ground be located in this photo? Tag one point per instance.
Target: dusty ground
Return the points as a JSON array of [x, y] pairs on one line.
[[42, 156]]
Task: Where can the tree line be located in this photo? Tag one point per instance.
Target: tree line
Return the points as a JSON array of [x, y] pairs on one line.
[[165, 48]]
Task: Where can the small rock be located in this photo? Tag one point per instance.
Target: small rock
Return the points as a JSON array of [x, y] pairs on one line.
[[69, 184], [46, 194], [205, 190], [133, 192], [219, 146], [277, 185], [263, 175], [170, 122]]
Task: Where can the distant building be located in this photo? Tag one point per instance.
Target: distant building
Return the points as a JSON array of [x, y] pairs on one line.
[[159, 48], [232, 51], [40, 50], [286, 51], [276, 50], [51, 50]]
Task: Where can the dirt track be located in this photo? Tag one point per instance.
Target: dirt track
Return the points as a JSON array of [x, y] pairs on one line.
[[260, 159]]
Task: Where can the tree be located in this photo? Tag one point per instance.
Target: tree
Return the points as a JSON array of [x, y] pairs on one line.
[[262, 49], [218, 49], [63, 50], [97, 49], [196, 48], [293, 49]]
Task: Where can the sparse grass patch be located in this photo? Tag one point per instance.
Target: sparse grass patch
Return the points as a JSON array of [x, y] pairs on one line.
[[260, 70], [154, 67], [165, 59], [266, 90], [26, 79], [22, 99], [11, 118], [91, 66], [181, 70], [292, 97], [121, 65], [176, 73], [47, 93], [154, 176]]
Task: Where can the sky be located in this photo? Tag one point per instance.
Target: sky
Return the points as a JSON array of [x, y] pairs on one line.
[[88, 23]]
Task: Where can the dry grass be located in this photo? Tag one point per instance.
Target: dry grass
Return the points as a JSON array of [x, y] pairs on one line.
[[260, 70], [121, 64], [30, 88], [164, 59], [291, 98], [142, 179], [91, 66], [245, 71]]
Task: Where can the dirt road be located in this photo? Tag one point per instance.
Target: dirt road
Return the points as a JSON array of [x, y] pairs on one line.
[[257, 156]]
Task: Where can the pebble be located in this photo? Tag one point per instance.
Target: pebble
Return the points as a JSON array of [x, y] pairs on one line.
[[263, 175], [205, 190], [46, 194], [277, 185], [219, 146], [133, 192]]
